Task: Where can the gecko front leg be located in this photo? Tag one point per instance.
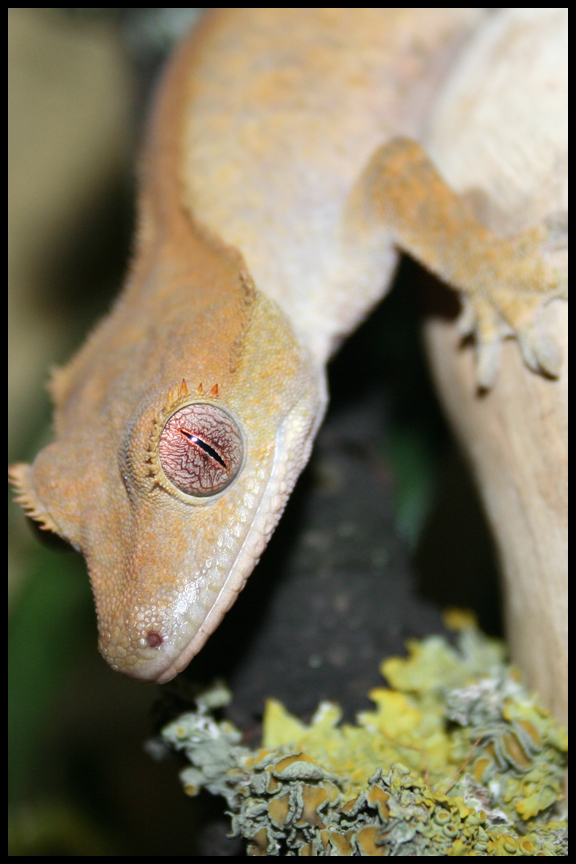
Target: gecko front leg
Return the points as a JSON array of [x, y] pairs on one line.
[[504, 282]]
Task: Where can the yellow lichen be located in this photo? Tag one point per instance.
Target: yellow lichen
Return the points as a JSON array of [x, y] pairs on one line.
[[456, 759]]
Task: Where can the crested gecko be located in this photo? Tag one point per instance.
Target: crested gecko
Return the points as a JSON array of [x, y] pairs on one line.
[[282, 170]]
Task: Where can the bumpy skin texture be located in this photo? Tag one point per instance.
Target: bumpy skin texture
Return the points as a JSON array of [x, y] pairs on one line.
[[161, 562], [268, 218], [165, 566]]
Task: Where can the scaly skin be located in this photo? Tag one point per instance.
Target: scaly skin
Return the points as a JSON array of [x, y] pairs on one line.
[[274, 190]]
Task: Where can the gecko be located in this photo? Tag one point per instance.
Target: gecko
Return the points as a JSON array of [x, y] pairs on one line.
[[282, 172]]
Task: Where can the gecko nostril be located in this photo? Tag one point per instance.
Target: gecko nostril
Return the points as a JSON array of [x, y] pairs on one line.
[[201, 449], [154, 639]]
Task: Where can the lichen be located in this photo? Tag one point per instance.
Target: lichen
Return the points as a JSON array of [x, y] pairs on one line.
[[456, 759]]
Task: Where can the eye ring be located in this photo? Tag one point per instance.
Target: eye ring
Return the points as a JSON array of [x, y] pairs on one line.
[[201, 449]]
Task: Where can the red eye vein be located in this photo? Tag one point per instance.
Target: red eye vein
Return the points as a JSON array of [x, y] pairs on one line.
[[201, 449]]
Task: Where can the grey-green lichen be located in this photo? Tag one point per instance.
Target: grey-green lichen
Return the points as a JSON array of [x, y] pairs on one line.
[[457, 759]]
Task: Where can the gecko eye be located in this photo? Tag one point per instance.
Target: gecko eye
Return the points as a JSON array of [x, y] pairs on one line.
[[201, 449]]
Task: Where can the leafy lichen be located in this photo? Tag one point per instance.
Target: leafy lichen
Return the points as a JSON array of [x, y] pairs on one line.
[[456, 759]]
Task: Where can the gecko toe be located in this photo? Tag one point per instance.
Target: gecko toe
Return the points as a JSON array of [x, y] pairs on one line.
[[539, 350], [466, 321], [487, 363]]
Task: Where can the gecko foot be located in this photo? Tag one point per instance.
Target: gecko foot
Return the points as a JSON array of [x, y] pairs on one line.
[[524, 273], [504, 282]]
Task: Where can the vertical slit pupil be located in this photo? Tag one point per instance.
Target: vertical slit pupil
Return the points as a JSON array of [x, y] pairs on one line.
[[204, 445]]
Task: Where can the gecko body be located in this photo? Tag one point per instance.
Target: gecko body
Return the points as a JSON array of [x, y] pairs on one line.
[[280, 175]]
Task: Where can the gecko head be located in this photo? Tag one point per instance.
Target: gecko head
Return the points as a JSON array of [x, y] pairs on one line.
[[173, 497]]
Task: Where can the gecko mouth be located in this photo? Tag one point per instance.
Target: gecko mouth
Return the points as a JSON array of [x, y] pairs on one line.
[[165, 665], [161, 673], [244, 566], [177, 665]]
